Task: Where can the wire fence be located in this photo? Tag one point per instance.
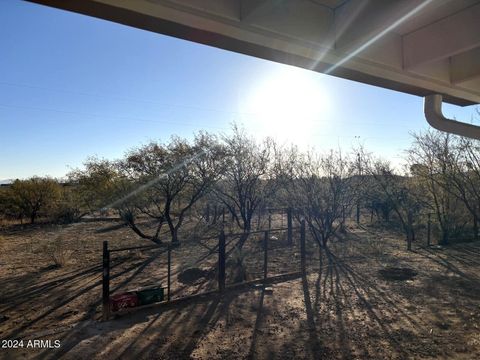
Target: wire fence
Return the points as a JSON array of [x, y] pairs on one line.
[[203, 265], [276, 246]]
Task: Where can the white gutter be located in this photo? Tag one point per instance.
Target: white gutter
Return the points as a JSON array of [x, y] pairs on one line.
[[434, 116]]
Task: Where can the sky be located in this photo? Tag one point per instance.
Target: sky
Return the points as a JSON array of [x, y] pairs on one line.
[[72, 86]]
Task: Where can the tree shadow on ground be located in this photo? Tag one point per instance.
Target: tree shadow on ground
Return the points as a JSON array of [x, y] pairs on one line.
[[314, 341], [171, 332], [58, 292], [348, 311], [254, 343], [349, 298], [458, 254]]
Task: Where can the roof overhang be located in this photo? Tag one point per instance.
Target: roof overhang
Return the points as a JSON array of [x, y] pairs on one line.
[[420, 47]]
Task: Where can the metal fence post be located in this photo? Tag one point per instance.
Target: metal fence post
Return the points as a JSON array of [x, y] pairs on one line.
[[429, 229], [259, 218], [215, 214], [265, 256], [303, 266], [221, 262], [169, 270], [106, 282], [290, 227]]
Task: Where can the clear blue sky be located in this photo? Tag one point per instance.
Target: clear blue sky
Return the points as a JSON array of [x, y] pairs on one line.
[[73, 86]]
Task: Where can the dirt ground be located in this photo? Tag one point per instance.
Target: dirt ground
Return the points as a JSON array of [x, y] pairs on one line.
[[345, 308]]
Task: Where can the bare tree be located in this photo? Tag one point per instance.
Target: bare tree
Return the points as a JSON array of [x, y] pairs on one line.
[[248, 178], [168, 179], [322, 188], [433, 159], [401, 193], [377, 201], [464, 177]]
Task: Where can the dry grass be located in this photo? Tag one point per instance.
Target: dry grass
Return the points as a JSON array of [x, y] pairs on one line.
[[344, 308], [60, 255]]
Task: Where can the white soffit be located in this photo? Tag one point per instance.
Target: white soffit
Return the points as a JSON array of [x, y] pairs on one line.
[[420, 47]]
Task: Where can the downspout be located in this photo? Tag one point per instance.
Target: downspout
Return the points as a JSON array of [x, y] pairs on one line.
[[433, 114]]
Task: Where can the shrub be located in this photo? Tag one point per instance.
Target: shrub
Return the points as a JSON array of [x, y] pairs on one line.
[[32, 198], [59, 254], [61, 257], [67, 214]]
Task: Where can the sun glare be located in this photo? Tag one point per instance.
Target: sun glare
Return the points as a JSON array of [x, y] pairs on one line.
[[288, 106]]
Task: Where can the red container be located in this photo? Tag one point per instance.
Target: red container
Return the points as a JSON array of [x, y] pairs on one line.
[[122, 301]]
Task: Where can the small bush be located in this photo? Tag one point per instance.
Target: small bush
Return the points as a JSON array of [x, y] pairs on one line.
[[59, 254], [61, 257], [238, 263], [67, 215]]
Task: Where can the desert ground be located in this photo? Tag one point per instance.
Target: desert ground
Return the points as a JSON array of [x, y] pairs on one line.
[[348, 306]]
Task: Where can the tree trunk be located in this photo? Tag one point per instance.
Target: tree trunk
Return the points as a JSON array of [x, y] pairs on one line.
[[409, 239], [243, 239], [173, 230], [137, 231], [386, 215], [324, 241], [207, 214], [444, 240], [171, 226], [475, 228], [410, 232], [247, 223], [215, 214], [174, 234], [320, 258]]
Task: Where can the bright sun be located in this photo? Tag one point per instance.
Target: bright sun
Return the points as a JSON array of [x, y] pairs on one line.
[[288, 105]]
